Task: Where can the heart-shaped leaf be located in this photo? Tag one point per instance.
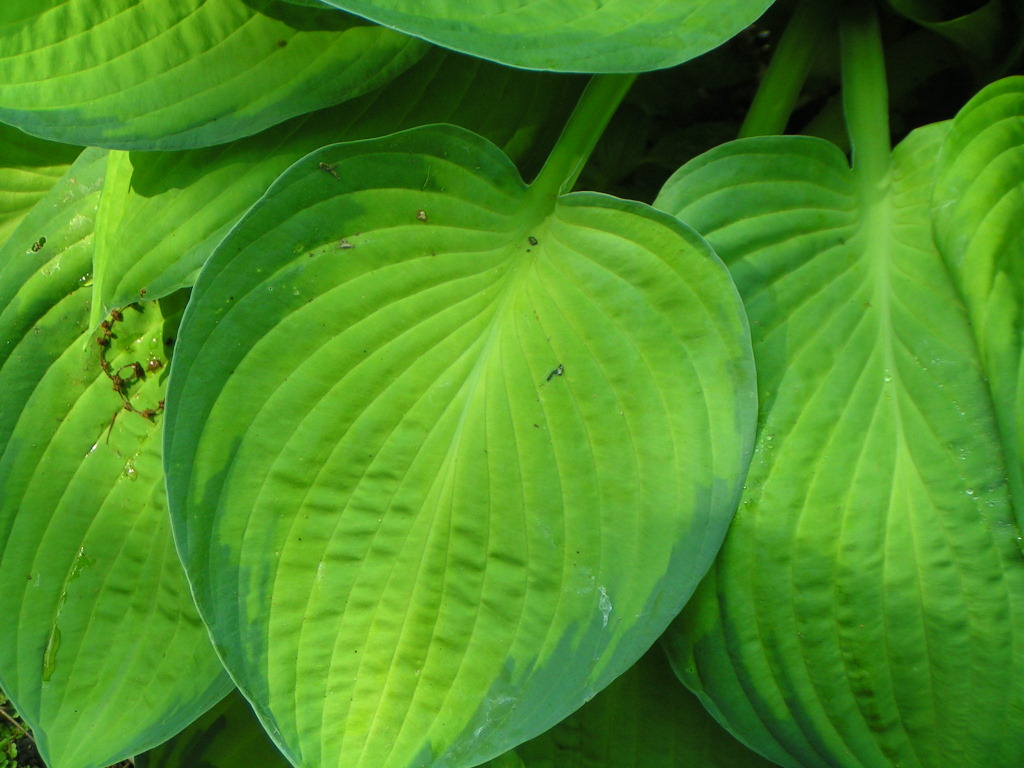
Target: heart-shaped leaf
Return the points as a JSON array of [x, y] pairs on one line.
[[164, 213], [105, 655], [865, 607], [569, 35], [147, 74], [445, 454]]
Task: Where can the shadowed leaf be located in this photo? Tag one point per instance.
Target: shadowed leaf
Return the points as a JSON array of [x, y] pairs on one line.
[[147, 74], [88, 573]]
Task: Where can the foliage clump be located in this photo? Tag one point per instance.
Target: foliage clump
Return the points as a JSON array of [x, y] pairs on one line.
[[381, 391]]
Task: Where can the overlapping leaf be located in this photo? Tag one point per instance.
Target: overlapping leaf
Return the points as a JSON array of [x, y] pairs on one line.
[[986, 32], [645, 719], [444, 456], [978, 208], [147, 74], [569, 35], [165, 212], [106, 655], [28, 169], [227, 736], [866, 606]]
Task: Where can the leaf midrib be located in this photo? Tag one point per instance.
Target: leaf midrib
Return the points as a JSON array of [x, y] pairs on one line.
[[511, 284], [878, 228]]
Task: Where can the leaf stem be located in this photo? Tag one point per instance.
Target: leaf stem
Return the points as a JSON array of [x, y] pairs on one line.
[[587, 122], [780, 88], [865, 92], [16, 724]]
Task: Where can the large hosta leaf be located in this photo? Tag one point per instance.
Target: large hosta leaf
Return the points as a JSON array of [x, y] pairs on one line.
[[645, 719], [103, 653], [28, 169], [866, 607], [444, 456], [979, 205], [169, 210], [148, 74], [569, 35]]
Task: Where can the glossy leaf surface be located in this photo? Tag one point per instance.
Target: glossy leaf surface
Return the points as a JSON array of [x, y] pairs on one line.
[[88, 572], [568, 35], [865, 608], [172, 209], [147, 74], [444, 455]]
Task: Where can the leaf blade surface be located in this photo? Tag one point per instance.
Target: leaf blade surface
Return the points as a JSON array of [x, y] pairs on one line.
[[569, 35], [975, 209], [644, 718], [412, 553], [28, 169], [873, 567], [175, 207], [99, 608], [148, 75]]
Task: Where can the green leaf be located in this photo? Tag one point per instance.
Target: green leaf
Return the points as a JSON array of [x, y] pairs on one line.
[[865, 607], [172, 209], [104, 654], [445, 455], [645, 719], [977, 212], [147, 74], [228, 736], [569, 35], [986, 31], [28, 169]]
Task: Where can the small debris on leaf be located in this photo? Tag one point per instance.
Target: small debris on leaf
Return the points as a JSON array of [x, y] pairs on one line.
[[329, 168]]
